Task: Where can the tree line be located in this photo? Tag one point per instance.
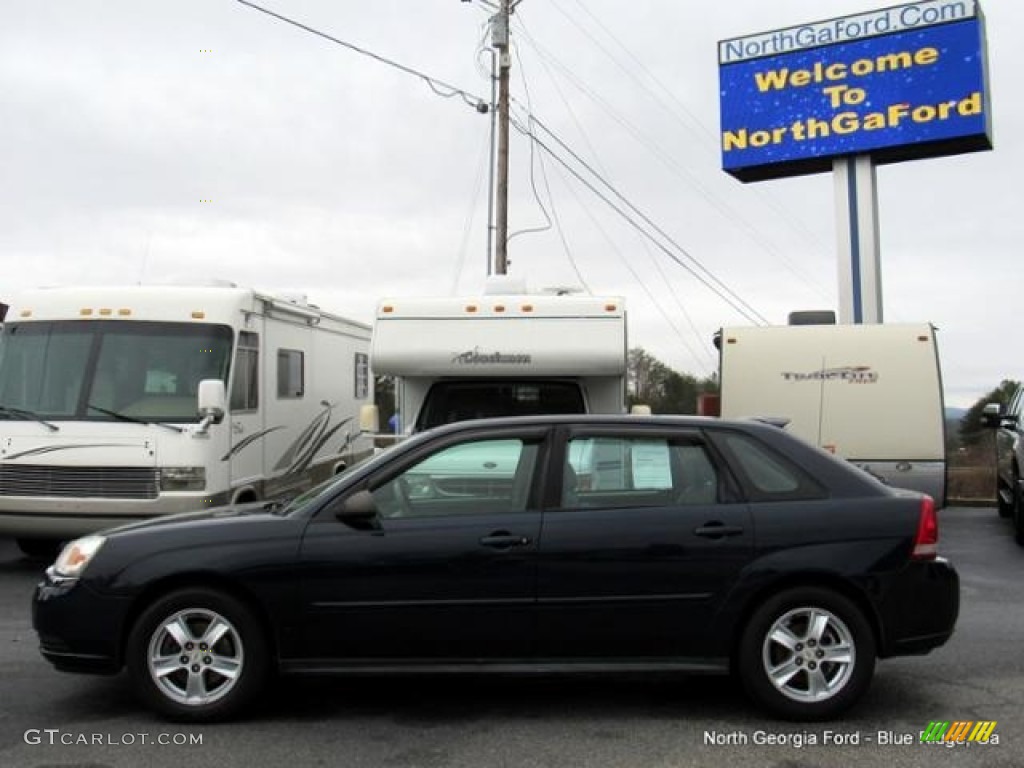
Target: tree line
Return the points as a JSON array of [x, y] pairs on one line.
[[972, 429], [650, 382]]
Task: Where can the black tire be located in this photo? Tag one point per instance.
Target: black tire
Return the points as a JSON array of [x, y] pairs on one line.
[[39, 549], [1017, 510], [1004, 507], [200, 682], [790, 695]]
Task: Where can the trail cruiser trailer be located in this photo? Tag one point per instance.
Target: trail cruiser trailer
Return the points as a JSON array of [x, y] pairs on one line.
[[869, 393], [101, 391], [499, 355]]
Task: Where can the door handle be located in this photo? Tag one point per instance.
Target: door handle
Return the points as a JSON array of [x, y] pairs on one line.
[[504, 541], [717, 530]]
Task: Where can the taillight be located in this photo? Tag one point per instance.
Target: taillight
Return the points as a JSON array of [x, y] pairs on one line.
[[926, 541]]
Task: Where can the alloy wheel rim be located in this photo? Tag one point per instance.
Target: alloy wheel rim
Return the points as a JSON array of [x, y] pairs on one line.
[[195, 657], [808, 654]]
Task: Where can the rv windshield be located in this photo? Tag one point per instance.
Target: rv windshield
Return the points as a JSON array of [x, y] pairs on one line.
[[101, 370], [450, 401]]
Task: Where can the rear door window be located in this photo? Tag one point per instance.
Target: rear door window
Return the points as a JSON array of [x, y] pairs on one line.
[[609, 472]]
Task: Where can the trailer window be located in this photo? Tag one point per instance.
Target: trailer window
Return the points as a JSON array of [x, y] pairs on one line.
[[450, 401], [291, 381], [362, 372], [245, 385]]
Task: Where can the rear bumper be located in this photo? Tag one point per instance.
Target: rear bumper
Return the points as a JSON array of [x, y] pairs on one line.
[[920, 611]]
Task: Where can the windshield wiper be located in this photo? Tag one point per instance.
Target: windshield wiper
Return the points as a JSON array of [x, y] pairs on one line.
[[28, 415], [123, 417]]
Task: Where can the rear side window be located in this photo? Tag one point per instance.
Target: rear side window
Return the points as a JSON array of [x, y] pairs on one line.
[[766, 474], [632, 471]]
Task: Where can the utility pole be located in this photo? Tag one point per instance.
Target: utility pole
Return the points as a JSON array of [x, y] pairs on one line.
[[500, 41]]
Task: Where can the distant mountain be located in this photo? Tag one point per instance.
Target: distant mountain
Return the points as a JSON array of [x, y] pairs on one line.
[[955, 414]]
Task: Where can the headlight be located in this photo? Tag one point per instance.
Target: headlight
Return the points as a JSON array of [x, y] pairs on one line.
[[76, 555], [183, 479]]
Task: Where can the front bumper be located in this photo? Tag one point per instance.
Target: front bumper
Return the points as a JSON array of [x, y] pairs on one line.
[[80, 630]]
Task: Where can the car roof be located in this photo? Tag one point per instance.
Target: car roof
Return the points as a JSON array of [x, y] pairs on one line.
[[653, 421]]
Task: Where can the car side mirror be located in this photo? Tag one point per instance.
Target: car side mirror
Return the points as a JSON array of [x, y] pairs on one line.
[[992, 415], [359, 510]]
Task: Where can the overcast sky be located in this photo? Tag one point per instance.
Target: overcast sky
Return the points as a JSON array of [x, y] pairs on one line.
[[149, 140]]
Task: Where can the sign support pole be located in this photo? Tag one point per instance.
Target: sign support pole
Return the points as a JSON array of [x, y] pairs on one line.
[[860, 278]]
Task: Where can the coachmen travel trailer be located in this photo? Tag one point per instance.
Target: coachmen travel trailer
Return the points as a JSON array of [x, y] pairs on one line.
[[457, 358], [124, 403]]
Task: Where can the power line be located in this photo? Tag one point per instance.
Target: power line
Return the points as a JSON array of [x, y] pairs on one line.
[[657, 262], [708, 276], [708, 282], [448, 90], [698, 128], [728, 212], [471, 214], [643, 284], [438, 86]]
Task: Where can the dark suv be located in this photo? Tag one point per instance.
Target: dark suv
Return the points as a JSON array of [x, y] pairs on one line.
[[1009, 459]]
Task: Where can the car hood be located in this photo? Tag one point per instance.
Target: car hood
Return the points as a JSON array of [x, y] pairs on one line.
[[167, 523], [244, 538]]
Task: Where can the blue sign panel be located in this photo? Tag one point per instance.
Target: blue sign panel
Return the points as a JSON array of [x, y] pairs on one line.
[[789, 109]]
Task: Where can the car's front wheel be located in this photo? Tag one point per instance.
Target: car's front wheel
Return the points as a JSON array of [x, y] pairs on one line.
[[197, 654], [807, 654], [1017, 509], [1004, 499]]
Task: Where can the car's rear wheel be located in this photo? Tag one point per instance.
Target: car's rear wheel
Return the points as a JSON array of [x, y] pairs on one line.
[[197, 654], [807, 654]]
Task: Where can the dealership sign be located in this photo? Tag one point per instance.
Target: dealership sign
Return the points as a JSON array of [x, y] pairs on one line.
[[898, 83]]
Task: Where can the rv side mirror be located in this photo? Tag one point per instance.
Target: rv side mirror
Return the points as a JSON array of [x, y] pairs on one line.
[[212, 400]]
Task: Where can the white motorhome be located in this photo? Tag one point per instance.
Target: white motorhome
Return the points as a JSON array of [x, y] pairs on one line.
[[501, 355], [869, 393], [103, 417]]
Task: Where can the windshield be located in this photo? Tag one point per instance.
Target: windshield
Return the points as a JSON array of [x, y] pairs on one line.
[[94, 369], [450, 401]]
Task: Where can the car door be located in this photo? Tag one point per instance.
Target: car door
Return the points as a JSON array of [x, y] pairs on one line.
[[1008, 437], [647, 536], [446, 569]]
